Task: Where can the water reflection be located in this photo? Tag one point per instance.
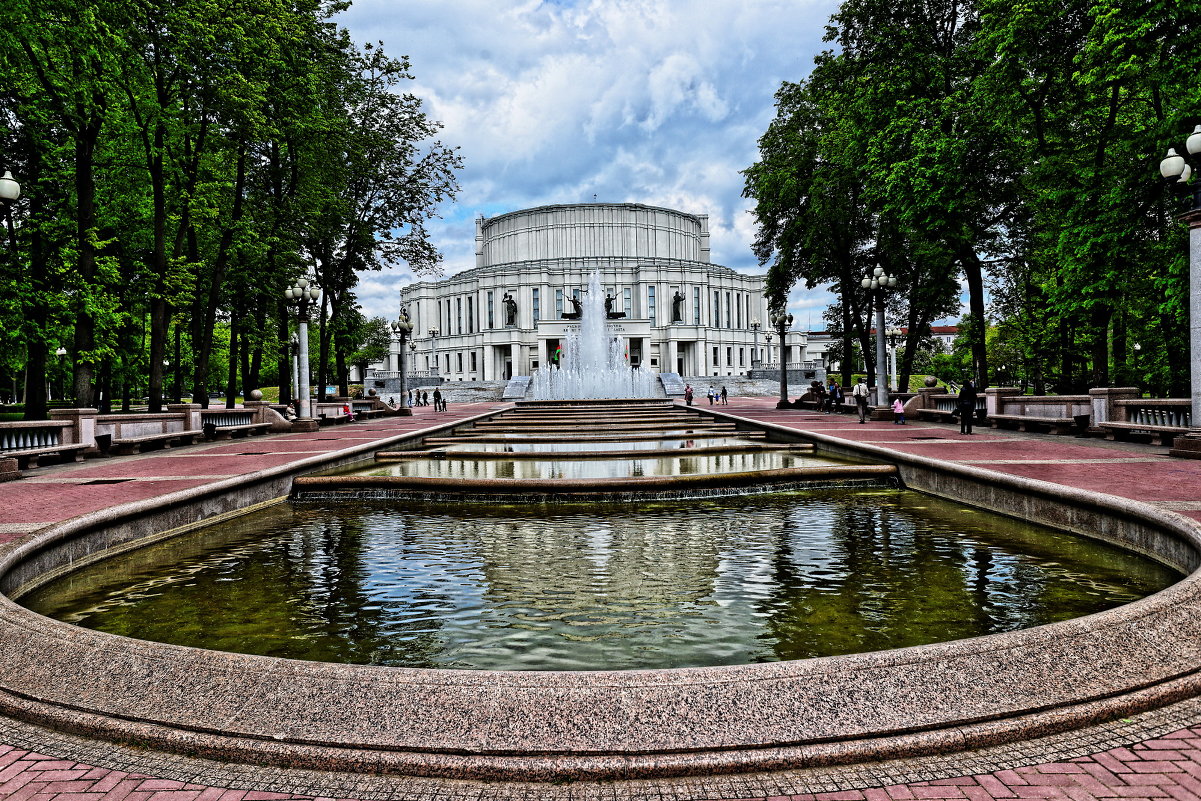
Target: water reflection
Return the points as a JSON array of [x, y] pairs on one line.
[[563, 588]]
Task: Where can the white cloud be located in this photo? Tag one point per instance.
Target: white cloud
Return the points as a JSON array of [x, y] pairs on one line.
[[651, 101]]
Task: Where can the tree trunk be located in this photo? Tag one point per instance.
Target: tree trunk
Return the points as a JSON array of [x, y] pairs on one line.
[[285, 360], [85, 323], [973, 270], [231, 386], [1099, 317]]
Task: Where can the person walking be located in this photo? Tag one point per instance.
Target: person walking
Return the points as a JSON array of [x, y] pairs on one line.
[[966, 406], [437, 400], [831, 394], [898, 412], [712, 394], [860, 395], [425, 399], [725, 399], [688, 394]]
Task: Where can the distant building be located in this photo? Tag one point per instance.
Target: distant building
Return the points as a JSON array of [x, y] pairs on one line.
[[505, 317]]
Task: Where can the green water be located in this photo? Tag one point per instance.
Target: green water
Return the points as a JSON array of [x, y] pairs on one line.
[[717, 582]]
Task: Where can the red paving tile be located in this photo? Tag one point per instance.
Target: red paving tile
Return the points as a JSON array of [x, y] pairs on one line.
[[1166, 767]]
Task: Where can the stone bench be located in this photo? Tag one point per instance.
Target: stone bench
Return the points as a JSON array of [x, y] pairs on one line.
[[28, 442], [1035, 423], [28, 457], [937, 415], [230, 424], [129, 445], [1122, 431], [367, 411]]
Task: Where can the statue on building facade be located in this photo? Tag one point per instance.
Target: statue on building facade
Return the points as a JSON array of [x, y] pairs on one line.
[[577, 309], [677, 307], [510, 309]]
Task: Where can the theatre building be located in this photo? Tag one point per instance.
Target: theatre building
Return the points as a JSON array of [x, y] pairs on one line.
[[677, 311]]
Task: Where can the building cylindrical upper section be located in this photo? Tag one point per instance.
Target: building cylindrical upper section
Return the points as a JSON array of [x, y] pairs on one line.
[[612, 230]]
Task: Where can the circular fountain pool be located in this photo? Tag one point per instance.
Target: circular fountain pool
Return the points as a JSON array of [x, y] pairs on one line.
[[591, 587]]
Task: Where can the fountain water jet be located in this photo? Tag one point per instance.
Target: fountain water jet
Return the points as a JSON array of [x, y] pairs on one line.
[[595, 363]]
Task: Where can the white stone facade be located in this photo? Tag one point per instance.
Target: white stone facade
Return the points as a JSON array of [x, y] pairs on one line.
[[683, 314]]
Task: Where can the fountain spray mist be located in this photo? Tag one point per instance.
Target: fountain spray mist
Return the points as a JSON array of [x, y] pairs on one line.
[[595, 362]]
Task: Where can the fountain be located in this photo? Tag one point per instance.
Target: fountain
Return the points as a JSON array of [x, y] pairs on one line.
[[595, 362]]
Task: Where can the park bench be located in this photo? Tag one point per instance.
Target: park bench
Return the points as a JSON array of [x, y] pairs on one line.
[[945, 409], [1037, 424], [28, 442], [366, 410], [231, 423], [111, 446], [1165, 420]]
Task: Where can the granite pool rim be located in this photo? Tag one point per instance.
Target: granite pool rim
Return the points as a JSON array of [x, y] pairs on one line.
[[608, 724]]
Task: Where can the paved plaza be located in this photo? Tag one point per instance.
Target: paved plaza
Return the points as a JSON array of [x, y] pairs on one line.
[[1153, 755]]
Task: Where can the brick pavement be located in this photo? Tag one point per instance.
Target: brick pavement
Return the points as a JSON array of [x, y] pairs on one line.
[[1165, 765]]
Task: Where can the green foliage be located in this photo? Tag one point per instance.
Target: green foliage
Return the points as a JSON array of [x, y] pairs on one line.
[[180, 165], [1013, 144]]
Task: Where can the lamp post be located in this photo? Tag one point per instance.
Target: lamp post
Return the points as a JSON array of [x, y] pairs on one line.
[[756, 362], [768, 337], [402, 327], [877, 282], [893, 334], [1177, 171], [303, 295], [293, 352], [433, 332], [780, 320]]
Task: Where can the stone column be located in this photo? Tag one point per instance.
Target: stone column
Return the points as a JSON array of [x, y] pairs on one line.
[[83, 425], [994, 399], [1104, 410], [673, 355], [926, 394], [191, 412], [1189, 445]]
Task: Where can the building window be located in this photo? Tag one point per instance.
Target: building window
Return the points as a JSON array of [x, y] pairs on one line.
[[729, 319], [650, 304], [537, 304], [459, 361], [696, 305], [491, 310], [738, 304], [448, 359], [742, 357], [729, 357], [558, 304], [715, 317], [471, 314], [458, 315], [474, 363], [628, 302]]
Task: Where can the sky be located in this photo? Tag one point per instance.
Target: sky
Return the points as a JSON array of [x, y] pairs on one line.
[[574, 101]]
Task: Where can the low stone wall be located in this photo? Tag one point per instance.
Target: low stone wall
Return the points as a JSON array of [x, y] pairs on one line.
[[547, 726]]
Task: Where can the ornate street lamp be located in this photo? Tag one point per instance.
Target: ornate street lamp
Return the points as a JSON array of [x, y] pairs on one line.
[[433, 332], [893, 335], [756, 361], [302, 295], [10, 192], [294, 355], [402, 327], [780, 321], [1177, 171], [876, 283]]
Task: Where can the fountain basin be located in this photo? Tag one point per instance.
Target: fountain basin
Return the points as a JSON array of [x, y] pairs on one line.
[[536, 726]]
